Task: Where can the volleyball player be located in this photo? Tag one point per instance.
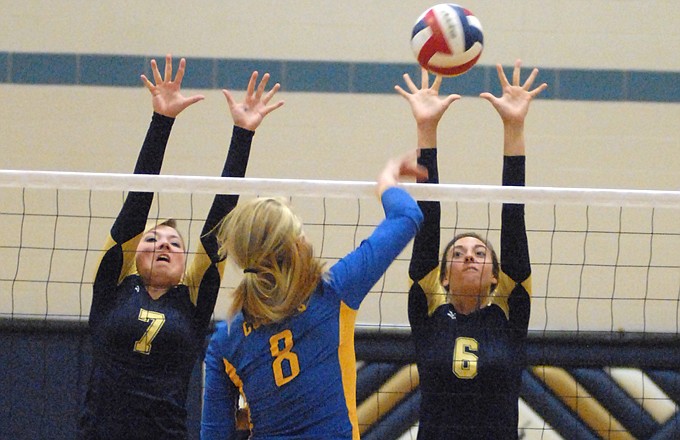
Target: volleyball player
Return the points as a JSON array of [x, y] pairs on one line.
[[149, 318], [469, 314], [288, 349]]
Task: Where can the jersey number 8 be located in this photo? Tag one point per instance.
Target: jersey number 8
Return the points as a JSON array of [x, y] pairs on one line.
[[283, 356]]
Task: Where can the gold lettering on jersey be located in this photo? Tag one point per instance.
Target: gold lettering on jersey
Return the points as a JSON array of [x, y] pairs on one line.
[[464, 358], [248, 327], [281, 345], [156, 321]]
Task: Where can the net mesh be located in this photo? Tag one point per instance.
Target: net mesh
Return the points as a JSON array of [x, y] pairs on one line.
[[602, 261]]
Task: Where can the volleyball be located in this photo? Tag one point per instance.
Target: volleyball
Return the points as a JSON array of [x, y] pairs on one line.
[[447, 39]]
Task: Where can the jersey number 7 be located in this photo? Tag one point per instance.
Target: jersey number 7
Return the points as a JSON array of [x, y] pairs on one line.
[[156, 321]]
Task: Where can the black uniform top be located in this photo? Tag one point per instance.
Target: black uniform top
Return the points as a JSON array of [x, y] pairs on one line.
[[470, 366], [144, 350]]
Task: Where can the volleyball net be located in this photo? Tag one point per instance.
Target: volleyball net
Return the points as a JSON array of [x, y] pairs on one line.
[[603, 261]]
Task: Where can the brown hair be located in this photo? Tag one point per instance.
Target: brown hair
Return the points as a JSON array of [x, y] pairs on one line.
[[495, 264], [170, 222]]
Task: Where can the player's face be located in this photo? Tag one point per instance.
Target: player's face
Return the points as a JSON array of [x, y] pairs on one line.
[[160, 257], [469, 268]]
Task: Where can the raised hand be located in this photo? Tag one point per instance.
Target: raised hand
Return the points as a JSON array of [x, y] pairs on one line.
[[426, 104], [513, 105], [250, 113], [166, 97], [399, 167]]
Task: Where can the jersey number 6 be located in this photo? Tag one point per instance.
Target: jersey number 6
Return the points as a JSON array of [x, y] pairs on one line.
[[464, 358], [280, 346]]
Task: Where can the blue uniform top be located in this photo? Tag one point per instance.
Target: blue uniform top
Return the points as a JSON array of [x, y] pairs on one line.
[[470, 366], [143, 349], [299, 376]]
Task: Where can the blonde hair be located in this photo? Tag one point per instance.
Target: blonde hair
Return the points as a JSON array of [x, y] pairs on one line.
[[264, 237]]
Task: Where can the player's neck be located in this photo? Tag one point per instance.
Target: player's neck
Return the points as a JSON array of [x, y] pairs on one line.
[[156, 292], [466, 304]]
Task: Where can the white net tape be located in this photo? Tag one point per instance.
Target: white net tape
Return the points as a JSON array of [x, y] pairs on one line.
[[602, 259]]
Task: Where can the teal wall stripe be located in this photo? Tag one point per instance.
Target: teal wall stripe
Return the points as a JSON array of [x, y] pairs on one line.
[[655, 86], [234, 73], [104, 70], [4, 67], [606, 85], [35, 68], [330, 76]]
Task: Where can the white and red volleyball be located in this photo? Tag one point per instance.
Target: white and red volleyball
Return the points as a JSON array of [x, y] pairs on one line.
[[447, 39]]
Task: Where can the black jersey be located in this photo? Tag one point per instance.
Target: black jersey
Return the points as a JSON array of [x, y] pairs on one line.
[[144, 350], [470, 366]]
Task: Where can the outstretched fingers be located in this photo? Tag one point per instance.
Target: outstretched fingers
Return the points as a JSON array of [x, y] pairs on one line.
[[501, 76], [262, 86], [424, 79], [535, 92], [409, 83], [168, 67], [270, 94], [148, 84], [250, 90], [230, 98], [516, 72], [156, 73], [437, 83], [530, 82], [180, 71], [271, 107], [450, 99]]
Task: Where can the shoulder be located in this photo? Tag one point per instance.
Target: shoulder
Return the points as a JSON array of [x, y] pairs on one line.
[[327, 291], [225, 330], [495, 311]]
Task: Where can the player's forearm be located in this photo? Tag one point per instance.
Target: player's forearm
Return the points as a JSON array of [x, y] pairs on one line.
[[427, 134], [513, 139], [234, 166]]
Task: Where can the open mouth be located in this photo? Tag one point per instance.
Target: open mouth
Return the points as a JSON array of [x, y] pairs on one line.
[[163, 257]]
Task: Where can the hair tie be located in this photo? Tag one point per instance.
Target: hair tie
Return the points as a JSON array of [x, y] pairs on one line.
[[249, 270]]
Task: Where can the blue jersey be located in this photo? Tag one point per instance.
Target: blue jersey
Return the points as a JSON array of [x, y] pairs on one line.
[[299, 376], [470, 366], [143, 349]]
